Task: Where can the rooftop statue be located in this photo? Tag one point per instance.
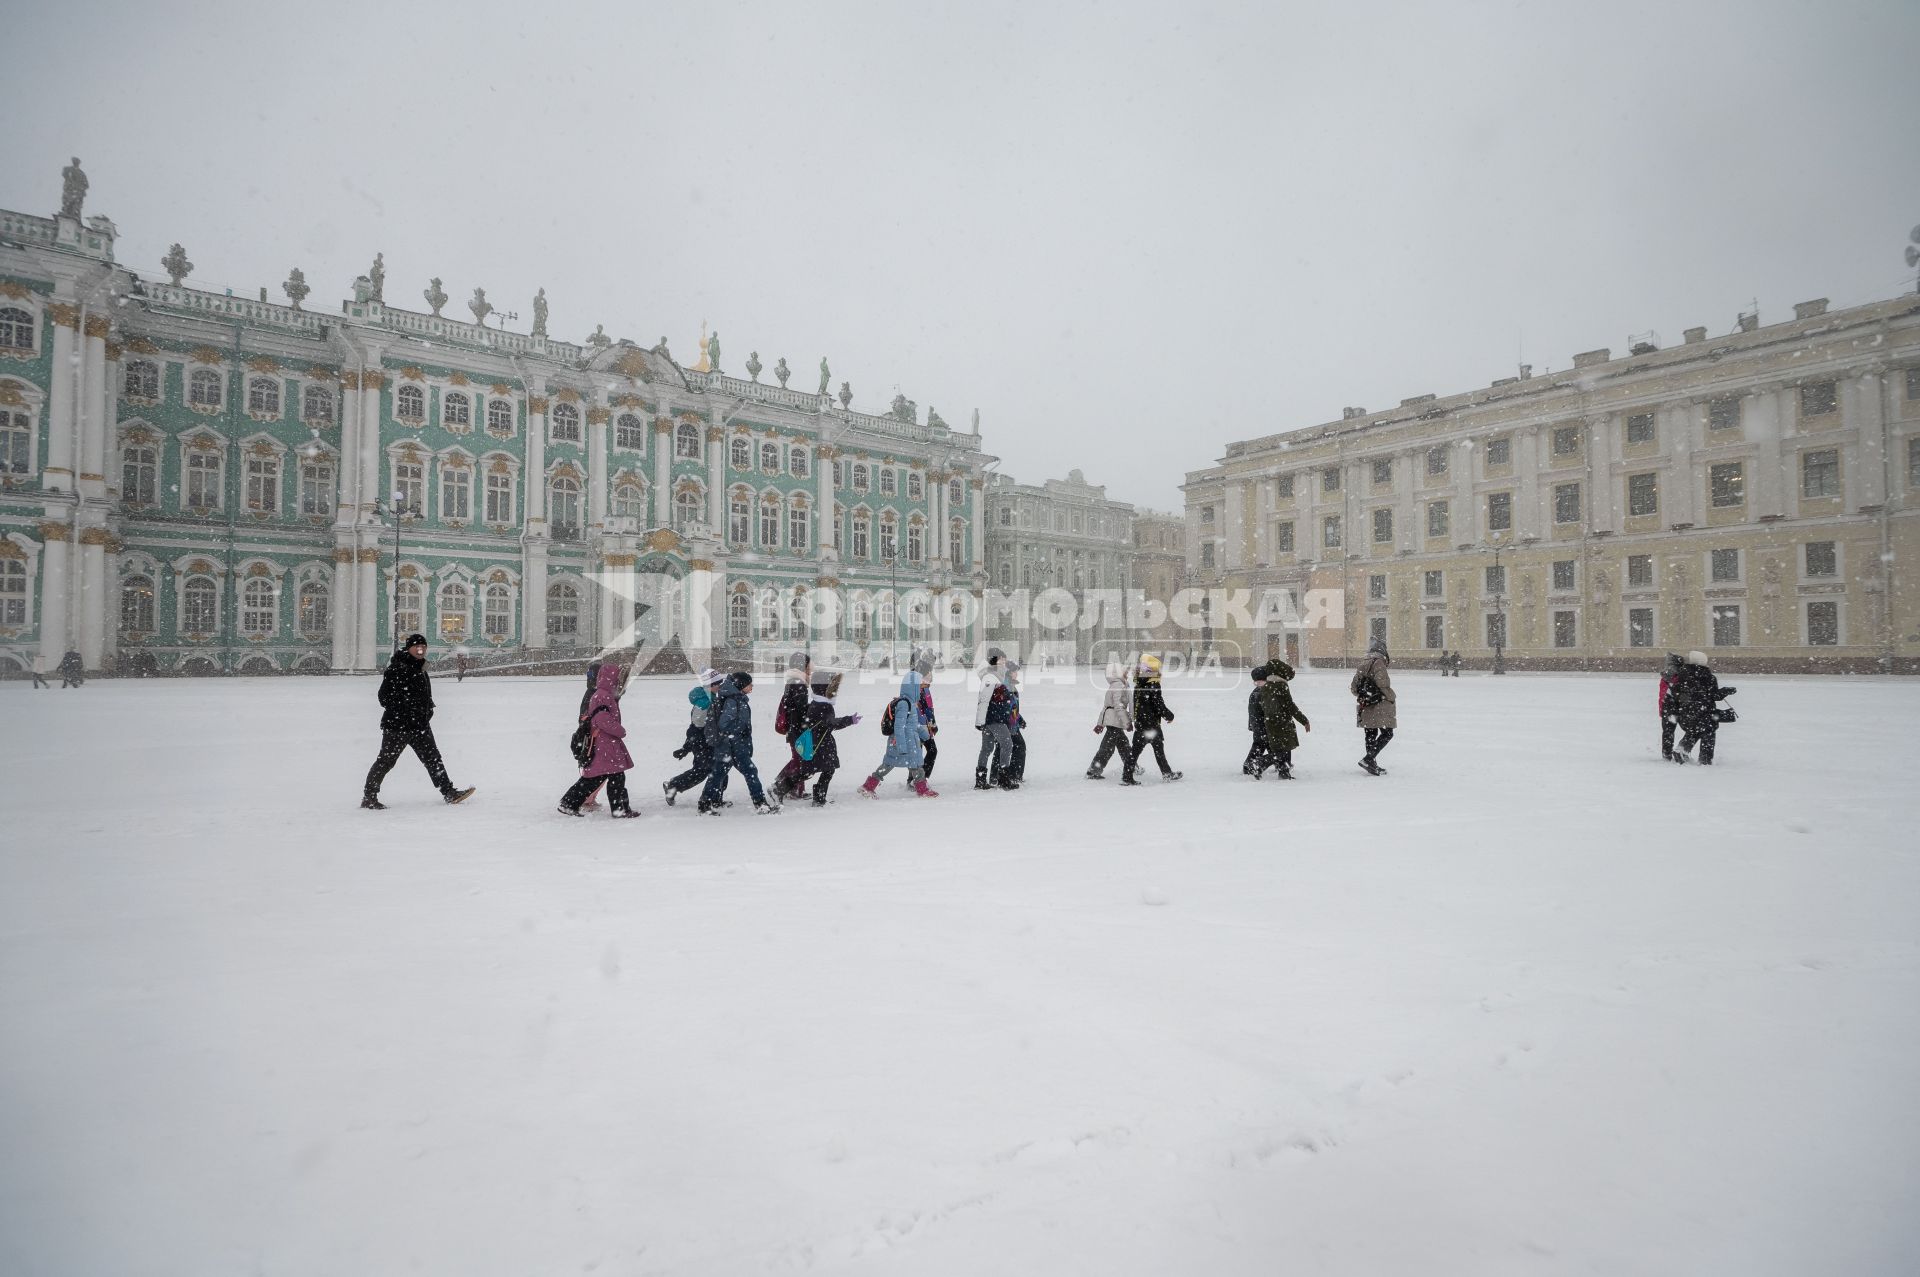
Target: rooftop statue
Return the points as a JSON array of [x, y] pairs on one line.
[[73, 189], [540, 313], [781, 372], [435, 296], [377, 278], [713, 351], [824, 375]]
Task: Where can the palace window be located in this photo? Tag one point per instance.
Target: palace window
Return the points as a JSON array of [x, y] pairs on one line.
[[1206, 554], [1724, 567], [1913, 382], [1822, 559], [16, 443], [140, 379], [263, 485], [1723, 414], [1823, 623], [770, 525], [410, 404], [1643, 494], [499, 497], [1382, 472], [1436, 631], [1330, 532], [1382, 527], [740, 453], [1283, 537], [629, 501], [315, 607], [770, 458], [739, 618], [496, 616], [565, 424], [1820, 473], [1640, 427], [455, 602], [889, 483], [259, 615], [916, 543], [263, 397], [1499, 511], [500, 418], [199, 605], [1726, 625], [1283, 487], [687, 508], [859, 477], [1566, 629], [1497, 579], [316, 405], [916, 486], [1566, 503], [797, 461], [139, 475], [1437, 518], [1640, 627], [739, 515], [862, 525], [563, 613], [136, 603], [1434, 583], [956, 493], [629, 433], [957, 541], [686, 441], [456, 493], [1436, 462], [1499, 452], [1566, 440], [563, 507], [1330, 479], [456, 411], [204, 480], [1728, 483], [410, 487], [17, 329], [1377, 588], [1376, 629], [797, 528], [889, 536], [1639, 571], [1563, 575], [1818, 399], [408, 597], [204, 389], [1496, 630]]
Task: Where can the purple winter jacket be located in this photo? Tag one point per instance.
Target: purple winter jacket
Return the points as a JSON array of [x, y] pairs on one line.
[[609, 735]]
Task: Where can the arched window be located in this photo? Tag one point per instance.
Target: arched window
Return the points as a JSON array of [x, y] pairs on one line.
[[136, 605], [140, 474], [1006, 576], [859, 477], [686, 508], [455, 602], [916, 486], [916, 541], [798, 527], [13, 593], [500, 418], [259, 617], [409, 602], [889, 535], [889, 481], [770, 458], [956, 493], [140, 379], [739, 617], [739, 512], [563, 613], [862, 529], [204, 479], [203, 388], [316, 611], [628, 432], [199, 606], [499, 496], [859, 614], [770, 522], [16, 443], [316, 406], [497, 614], [566, 423], [766, 614], [456, 492], [410, 404], [263, 484], [456, 411], [563, 507], [629, 501], [793, 619], [799, 460], [957, 541], [686, 441], [740, 454], [263, 397], [410, 487], [16, 329]]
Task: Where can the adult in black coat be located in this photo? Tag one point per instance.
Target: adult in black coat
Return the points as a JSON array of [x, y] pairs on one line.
[[406, 695], [1149, 713], [1693, 701]]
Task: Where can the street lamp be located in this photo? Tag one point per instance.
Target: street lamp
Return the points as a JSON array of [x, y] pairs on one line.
[[396, 512], [1500, 610]]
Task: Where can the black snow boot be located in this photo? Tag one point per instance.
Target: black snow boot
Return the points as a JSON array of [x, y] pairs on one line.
[[370, 803], [980, 778]]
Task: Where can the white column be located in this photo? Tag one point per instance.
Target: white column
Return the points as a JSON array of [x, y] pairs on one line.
[[345, 599], [597, 416], [1680, 427], [1233, 507], [347, 464], [1605, 446], [717, 482], [663, 472], [92, 584], [535, 495], [53, 588], [1761, 423], [533, 593], [705, 602], [977, 528], [1526, 468], [1862, 407], [367, 587], [369, 441], [61, 425], [823, 460], [92, 409], [1408, 470]]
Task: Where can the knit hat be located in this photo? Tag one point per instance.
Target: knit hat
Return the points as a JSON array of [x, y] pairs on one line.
[[824, 681], [798, 661], [709, 676], [420, 640], [1150, 665], [1377, 648], [1260, 672], [924, 662], [1697, 657], [995, 656], [741, 679]]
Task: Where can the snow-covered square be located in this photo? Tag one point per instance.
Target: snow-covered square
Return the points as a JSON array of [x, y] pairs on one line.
[[1535, 1002]]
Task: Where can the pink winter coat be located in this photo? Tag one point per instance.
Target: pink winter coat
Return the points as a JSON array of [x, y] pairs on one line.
[[609, 735]]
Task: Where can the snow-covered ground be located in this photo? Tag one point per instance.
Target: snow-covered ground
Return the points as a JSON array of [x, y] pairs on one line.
[[1536, 1002]]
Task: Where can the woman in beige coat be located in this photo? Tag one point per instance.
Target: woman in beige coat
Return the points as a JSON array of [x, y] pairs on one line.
[[1376, 717]]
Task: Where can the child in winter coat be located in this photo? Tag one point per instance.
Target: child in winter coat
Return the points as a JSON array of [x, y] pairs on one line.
[[990, 714], [1694, 702], [1668, 674], [1149, 712], [609, 761], [790, 720], [1258, 757], [923, 663], [910, 738], [730, 734], [814, 744], [1115, 721], [1016, 726], [1278, 714], [701, 699]]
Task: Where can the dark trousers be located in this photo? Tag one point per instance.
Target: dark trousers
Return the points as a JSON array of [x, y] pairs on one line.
[[735, 754], [71, 680], [821, 779], [1111, 740], [1705, 734], [793, 776], [1259, 757], [1666, 737], [584, 787], [395, 743], [39, 681], [1283, 759], [1017, 764], [1377, 738], [699, 769], [932, 751], [1142, 738]]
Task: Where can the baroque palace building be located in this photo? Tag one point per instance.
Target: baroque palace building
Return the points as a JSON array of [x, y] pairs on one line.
[[1752, 495], [195, 482], [1063, 534]]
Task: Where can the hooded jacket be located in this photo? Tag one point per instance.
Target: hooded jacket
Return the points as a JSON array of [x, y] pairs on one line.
[[995, 703], [609, 733], [406, 693], [1374, 666], [907, 747], [823, 720], [1149, 704], [731, 719], [1693, 698], [792, 712], [1116, 711], [1277, 710]]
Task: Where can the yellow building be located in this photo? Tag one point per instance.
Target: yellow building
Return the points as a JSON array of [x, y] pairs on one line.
[[1752, 495]]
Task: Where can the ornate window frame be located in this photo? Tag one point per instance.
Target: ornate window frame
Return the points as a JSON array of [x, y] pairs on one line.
[[740, 454], [17, 547], [261, 387], [202, 441], [187, 569], [34, 305], [463, 424], [566, 424], [307, 576], [256, 572], [492, 466], [630, 421], [410, 404], [450, 462], [311, 388], [129, 368], [197, 374]]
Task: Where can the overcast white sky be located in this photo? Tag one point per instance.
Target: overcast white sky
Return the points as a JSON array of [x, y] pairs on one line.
[[1127, 233]]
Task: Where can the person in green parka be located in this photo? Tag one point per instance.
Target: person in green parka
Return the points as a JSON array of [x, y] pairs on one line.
[[1277, 707]]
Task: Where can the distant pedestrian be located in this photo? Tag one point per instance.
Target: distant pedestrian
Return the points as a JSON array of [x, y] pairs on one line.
[[696, 745], [1280, 714], [460, 666], [406, 694], [730, 733], [1016, 769], [1115, 721], [1150, 714], [607, 759], [1372, 689], [1259, 758], [40, 672], [73, 671], [1695, 700], [990, 713], [790, 720], [1668, 673]]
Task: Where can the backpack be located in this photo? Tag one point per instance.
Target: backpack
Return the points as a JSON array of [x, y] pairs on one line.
[[886, 716], [582, 742], [1367, 691], [804, 746]]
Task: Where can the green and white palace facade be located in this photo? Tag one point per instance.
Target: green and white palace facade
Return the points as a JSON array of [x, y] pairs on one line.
[[197, 483]]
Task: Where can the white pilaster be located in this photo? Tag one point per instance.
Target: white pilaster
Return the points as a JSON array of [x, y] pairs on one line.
[[53, 590], [717, 481], [663, 472], [62, 455]]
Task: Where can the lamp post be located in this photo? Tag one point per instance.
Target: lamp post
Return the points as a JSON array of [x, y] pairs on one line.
[[397, 512], [1500, 610]]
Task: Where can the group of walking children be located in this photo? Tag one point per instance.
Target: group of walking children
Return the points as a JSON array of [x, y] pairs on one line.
[[1131, 722], [1271, 714], [1690, 697]]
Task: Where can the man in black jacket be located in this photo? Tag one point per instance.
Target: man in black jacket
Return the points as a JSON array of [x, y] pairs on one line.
[[1693, 700], [406, 693]]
